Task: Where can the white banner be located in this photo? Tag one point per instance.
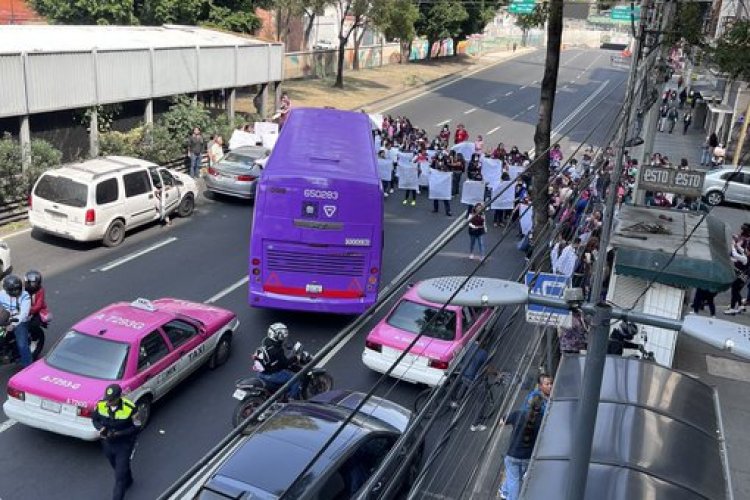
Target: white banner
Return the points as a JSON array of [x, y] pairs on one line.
[[377, 120], [404, 158], [431, 154], [472, 192], [440, 185], [506, 199], [378, 142], [393, 154], [466, 148], [241, 138], [269, 140], [262, 128], [491, 171], [527, 217], [385, 169], [424, 173], [515, 171], [407, 176]]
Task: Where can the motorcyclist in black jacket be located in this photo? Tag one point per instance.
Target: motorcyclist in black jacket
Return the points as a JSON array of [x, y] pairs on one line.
[[273, 361]]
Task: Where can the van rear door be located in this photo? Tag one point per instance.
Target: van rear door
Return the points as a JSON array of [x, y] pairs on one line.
[[60, 202]]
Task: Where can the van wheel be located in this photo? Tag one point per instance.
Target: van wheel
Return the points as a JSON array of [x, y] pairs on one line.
[[115, 234], [187, 205]]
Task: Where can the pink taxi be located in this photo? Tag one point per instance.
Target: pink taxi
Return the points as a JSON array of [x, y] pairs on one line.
[[146, 347], [434, 353]]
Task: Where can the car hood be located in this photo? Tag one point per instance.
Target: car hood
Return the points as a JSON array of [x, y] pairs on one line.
[[48, 382], [212, 317], [398, 339]]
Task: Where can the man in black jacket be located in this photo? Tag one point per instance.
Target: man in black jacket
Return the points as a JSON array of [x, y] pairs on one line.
[[114, 418]]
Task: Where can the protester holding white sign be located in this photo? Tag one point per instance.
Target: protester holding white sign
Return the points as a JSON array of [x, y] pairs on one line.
[[385, 170], [472, 193], [408, 180], [441, 180], [491, 171], [465, 148], [503, 197]]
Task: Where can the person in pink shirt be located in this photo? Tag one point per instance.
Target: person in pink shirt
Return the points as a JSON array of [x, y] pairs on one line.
[[39, 315]]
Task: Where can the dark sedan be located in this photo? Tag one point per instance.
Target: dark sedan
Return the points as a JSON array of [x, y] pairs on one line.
[[265, 464], [237, 173]]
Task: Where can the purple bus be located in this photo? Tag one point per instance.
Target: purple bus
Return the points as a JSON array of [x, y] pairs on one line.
[[317, 236]]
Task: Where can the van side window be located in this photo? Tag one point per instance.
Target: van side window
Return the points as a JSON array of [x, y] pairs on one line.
[[107, 192], [155, 177], [136, 183], [167, 176]]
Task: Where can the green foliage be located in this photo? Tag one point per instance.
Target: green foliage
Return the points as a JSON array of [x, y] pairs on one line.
[[732, 53], [534, 20], [480, 13], [157, 12], [441, 19], [106, 115], [687, 25], [86, 11], [226, 19], [15, 182], [122, 143], [395, 18]]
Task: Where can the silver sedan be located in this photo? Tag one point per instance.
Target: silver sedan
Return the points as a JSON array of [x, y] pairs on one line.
[[727, 184], [237, 173]]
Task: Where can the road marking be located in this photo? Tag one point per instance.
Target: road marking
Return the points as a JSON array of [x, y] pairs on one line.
[[469, 111], [493, 131], [223, 293], [564, 123], [134, 255], [572, 82], [16, 233], [574, 57], [516, 116], [577, 77], [522, 87], [7, 425], [530, 108], [492, 101], [508, 93], [451, 82], [444, 122], [534, 82]]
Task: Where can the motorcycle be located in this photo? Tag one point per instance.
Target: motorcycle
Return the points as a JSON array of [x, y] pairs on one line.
[[9, 349], [254, 391]]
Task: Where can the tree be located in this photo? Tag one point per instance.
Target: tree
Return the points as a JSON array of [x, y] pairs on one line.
[[439, 20], [353, 14], [731, 53], [534, 20], [687, 25], [479, 13], [540, 168], [308, 9], [396, 19], [86, 11]]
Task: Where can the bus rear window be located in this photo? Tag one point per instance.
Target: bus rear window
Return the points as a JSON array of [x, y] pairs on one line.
[[62, 190]]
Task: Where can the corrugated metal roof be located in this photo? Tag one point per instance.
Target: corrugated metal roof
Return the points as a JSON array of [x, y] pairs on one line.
[[657, 436], [57, 38]]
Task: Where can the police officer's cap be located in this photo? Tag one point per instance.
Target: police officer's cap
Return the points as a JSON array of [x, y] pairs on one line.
[[112, 393]]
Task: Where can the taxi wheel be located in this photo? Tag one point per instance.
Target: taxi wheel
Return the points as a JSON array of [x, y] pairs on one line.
[[187, 205], [222, 351], [144, 410], [115, 234]]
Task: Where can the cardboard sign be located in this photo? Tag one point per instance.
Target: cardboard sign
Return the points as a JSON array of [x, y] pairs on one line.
[[472, 192], [407, 176], [440, 185], [385, 169], [491, 171], [505, 199]]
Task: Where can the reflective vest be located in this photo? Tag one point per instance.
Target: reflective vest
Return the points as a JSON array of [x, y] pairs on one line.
[[124, 412]]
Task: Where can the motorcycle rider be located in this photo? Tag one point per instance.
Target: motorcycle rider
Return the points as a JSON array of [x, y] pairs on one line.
[[17, 302], [38, 312], [271, 355]]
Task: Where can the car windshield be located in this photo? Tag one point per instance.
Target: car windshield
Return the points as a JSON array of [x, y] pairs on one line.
[[89, 356], [245, 160], [412, 317], [62, 190]]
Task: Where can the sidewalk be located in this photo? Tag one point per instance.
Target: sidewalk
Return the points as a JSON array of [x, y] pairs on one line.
[[728, 374]]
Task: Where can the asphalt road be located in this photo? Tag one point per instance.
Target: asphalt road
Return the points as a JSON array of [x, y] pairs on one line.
[[206, 255]]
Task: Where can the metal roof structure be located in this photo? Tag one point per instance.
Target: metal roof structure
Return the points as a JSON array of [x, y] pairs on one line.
[[49, 68], [658, 436]]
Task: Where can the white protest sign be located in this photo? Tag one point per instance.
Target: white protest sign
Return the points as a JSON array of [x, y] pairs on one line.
[[404, 158], [407, 176], [262, 128], [515, 170], [393, 154], [472, 192], [241, 138], [269, 140], [385, 169], [466, 148], [527, 217], [377, 120], [378, 141], [424, 173], [491, 171], [506, 199], [440, 185]]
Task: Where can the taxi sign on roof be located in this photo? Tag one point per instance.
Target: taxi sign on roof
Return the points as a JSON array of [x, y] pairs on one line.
[[144, 304]]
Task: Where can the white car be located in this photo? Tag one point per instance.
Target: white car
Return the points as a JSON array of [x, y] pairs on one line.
[[5, 262], [101, 199]]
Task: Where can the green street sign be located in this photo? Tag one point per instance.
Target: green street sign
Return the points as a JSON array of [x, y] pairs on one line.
[[623, 12], [521, 8]]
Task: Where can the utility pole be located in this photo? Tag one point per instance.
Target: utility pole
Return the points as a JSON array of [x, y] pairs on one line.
[[588, 403]]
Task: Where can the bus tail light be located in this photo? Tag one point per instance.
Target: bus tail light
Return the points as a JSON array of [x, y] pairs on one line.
[[246, 178], [369, 344], [90, 217], [84, 411], [255, 261], [256, 271], [439, 364], [15, 393], [373, 270], [212, 171]]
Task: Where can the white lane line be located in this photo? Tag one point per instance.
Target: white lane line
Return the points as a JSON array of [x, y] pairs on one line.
[[522, 87], [451, 82], [493, 131], [508, 93], [492, 101], [469, 111], [534, 82], [134, 255], [7, 425], [556, 131], [516, 116], [16, 233], [223, 293], [577, 77], [530, 108], [574, 57], [440, 124]]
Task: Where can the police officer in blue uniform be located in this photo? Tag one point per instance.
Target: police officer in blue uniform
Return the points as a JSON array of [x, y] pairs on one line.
[[115, 420]]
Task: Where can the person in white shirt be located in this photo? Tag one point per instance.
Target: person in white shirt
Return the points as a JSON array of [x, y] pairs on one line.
[[566, 262]]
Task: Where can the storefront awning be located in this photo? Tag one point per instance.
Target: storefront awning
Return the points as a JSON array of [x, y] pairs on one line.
[[649, 245]]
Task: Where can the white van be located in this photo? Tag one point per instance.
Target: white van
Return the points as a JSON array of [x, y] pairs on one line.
[[101, 199]]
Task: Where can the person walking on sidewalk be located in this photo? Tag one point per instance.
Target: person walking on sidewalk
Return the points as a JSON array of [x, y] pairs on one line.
[[739, 259], [672, 116], [663, 111], [526, 424], [704, 298], [686, 121]]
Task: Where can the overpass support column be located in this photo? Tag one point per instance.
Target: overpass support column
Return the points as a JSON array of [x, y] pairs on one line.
[[94, 133], [24, 137]]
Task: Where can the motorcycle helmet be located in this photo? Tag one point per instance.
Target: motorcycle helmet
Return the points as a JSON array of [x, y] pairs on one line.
[[12, 285], [278, 332], [32, 281]]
